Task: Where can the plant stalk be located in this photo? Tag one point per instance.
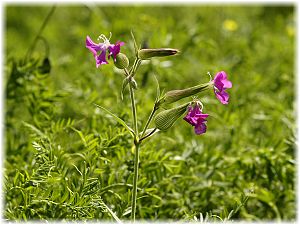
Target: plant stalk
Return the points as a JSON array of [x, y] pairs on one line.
[[148, 135], [133, 107], [136, 158], [45, 22], [135, 179], [149, 120]]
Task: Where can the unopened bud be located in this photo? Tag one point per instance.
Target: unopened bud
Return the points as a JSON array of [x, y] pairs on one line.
[[156, 52], [176, 95], [122, 61], [165, 119]]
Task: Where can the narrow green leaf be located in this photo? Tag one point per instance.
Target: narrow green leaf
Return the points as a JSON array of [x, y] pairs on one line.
[[122, 122], [16, 177], [64, 197], [81, 135], [110, 211], [127, 211], [157, 89], [34, 129], [135, 45], [77, 169]]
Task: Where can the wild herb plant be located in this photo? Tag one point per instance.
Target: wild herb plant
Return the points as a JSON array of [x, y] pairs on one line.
[[164, 116], [66, 160]]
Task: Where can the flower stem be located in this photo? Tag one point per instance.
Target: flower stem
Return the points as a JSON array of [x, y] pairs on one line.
[[148, 135], [136, 158], [135, 179], [149, 119], [137, 142], [133, 107], [45, 22], [133, 68]]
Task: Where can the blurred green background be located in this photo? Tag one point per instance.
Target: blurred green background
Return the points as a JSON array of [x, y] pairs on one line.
[[66, 160]]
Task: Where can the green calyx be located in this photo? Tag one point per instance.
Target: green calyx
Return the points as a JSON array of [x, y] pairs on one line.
[[165, 119], [176, 95]]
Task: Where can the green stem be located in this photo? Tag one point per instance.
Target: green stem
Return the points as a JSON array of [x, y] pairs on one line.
[[118, 185], [133, 107], [136, 158], [133, 66], [149, 120], [32, 46], [148, 135], [136, 64], [131, 73], [135, 179], [126, 72]]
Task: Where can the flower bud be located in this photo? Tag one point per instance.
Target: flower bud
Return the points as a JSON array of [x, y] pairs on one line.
[[165, 119], [176, 95], [156, 52], [121, 61]]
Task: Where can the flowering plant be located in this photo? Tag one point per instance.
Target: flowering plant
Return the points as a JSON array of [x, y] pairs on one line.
[[163, 117]]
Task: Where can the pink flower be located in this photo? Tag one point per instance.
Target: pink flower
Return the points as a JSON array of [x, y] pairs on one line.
[[221, 84], [114, 49], [196, 118]]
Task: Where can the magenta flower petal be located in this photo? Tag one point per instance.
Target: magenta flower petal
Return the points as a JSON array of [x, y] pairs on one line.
[[227, 84], [203, 116], [196, 119], [101, 59], [222, 96], [115, 49], [218, 84], [190, 120], [196, 111], [92, 46], [200, 128], [193, 115], [221, 83]]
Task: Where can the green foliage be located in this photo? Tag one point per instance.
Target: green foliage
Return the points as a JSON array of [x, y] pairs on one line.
[[65, 159]]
